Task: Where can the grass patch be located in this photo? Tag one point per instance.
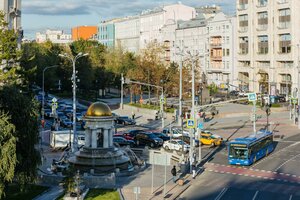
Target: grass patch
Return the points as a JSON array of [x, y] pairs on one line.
[[102, 194], [275, 105], [13, 192]]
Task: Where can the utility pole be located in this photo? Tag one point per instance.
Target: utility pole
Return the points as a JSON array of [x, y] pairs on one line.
[[298, 110], [122, 90], [254, 117], [180, 85]]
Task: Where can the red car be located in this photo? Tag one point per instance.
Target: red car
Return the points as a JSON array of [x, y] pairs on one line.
[[127, 136]]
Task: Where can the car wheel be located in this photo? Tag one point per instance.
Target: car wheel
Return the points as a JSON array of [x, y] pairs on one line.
[[180, 150], [212, 144], [138, 143], [152, 145], [124, 123], [167, 148]]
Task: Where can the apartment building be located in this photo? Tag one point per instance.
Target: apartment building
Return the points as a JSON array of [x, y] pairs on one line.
[[12, 10], [222, 50], [55, 36], [85, 33], [106, 32], [213, 40], [152, 21], [268, 45], [127, 33]]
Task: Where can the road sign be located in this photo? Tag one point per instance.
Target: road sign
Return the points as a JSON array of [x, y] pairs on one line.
[[54, 100], [294, 100], [190, 123], [200, 126], [252, 97]]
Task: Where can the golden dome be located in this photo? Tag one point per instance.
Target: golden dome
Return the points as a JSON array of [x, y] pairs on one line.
[[98, 109]]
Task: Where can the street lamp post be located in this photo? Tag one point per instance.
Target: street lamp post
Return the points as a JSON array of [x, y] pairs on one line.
[[298, 60], [43, 89], [73, 60], [180, 88], [43, 99], [122, 83]]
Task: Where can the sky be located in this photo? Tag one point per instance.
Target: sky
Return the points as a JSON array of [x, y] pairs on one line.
[[39, 15]]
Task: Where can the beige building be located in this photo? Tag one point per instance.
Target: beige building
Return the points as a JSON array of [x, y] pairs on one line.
[[268, 45]]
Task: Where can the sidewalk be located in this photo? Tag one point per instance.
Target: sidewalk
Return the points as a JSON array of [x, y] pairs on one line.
[[51, 194], [170, 191]]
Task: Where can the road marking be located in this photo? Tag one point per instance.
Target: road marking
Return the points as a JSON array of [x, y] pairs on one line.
[[254, 197], [286, 162], [221, 194], [291, 196]]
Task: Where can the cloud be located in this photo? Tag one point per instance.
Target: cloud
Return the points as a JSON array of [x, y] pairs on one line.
[[109, 8]]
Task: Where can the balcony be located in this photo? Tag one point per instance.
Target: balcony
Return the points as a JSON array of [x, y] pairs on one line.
[[243, 29], [216, 58], [216, 45]]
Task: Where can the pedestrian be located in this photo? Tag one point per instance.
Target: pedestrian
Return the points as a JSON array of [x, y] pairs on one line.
[[174, 172], [194, 170], [133, 115]]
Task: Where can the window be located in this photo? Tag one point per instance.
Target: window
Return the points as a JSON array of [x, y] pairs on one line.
[[243, 23], [243, 4], [262, 2], [263, 47], [285, 43], [284, 18], [262, 20], [244, 45]]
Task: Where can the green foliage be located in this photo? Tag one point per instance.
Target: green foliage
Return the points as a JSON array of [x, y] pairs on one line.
[[24, 115], [69, 180], [9, 54], [102, 194], [7, 151], [213, 89], [152, 107]]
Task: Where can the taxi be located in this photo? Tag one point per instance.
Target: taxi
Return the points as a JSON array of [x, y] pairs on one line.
[[207, 138]]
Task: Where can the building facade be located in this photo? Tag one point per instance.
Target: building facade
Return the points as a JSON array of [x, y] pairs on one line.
[[221, 65], [55, 36], [213, 41], [127, 34], [106, 32], [85, 33], [152, 21], [268, 45]]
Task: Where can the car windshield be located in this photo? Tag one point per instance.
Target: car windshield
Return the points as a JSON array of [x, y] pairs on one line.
[[180, 142], [238, 152]]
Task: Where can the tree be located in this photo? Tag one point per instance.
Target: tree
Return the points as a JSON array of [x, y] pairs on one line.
[[24, 115], [9, 54], [7, 151]]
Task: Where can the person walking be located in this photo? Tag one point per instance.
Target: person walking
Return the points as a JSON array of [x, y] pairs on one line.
[[174, 173], [194, 170]]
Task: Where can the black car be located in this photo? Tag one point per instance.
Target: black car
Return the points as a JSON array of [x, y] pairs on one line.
[[162, 136], [148, 139], [125, 120], [123, 142], [234, 93]]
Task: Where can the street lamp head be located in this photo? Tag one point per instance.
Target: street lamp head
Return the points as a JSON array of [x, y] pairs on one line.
[[61, 55], [79, 54], [86, 54]]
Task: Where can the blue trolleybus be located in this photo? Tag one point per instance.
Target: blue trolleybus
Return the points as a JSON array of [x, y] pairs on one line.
[[247, 150]]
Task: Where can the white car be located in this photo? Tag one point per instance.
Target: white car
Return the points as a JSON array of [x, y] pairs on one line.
[[178, 133], [176, 145]]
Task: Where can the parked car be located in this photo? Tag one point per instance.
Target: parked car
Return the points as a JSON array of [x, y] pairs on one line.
[[207, 138], [123, 142], [125, 120], [162, 136], [148, 139], [234, 93], [65, 122], [132, 133], [186, 139], [176, 145]]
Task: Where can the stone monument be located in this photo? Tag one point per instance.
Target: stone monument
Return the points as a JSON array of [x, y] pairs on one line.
[[99, 154]]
